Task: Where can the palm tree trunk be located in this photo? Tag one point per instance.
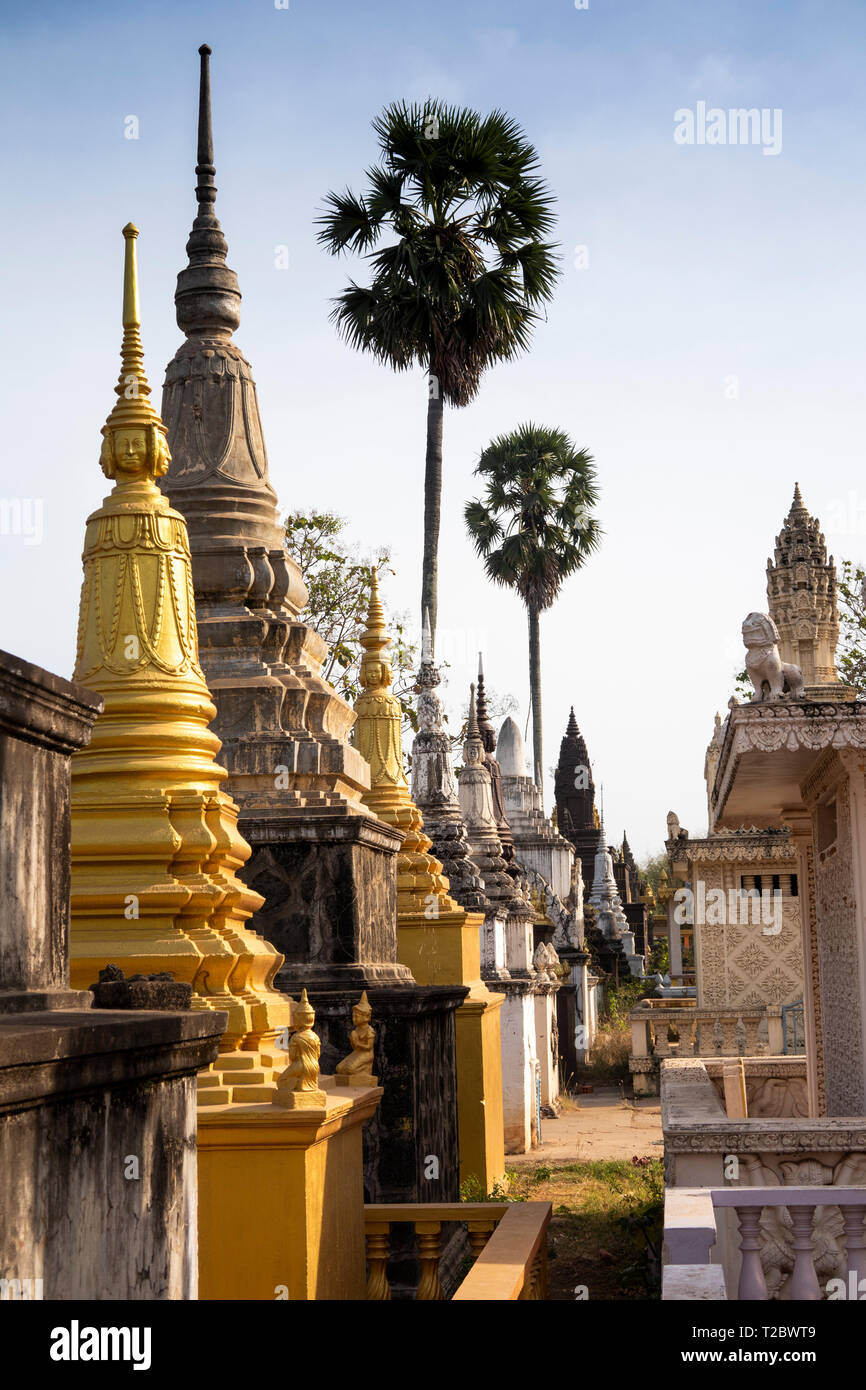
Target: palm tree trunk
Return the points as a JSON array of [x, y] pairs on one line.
[[535, 695], [432, 504]]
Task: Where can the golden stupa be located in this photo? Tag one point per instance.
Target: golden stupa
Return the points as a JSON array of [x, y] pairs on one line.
[[155, 843]]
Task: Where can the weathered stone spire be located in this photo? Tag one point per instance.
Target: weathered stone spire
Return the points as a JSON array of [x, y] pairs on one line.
[[485, 728], [155, 844], [802, 602], [434, 786], [263, 663], [219, 472], [537, 842], [574, 791], [208, 296], [479, 817], [603, 882], [487, 734]]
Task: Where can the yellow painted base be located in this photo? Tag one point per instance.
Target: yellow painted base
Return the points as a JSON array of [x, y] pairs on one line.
[[446, 950], [281, 1200]]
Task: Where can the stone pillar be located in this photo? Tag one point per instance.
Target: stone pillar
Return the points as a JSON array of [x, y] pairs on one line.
[[675, 943], [802, 836]]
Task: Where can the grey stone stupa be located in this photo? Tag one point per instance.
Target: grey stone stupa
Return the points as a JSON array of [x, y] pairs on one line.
[[324, 863]]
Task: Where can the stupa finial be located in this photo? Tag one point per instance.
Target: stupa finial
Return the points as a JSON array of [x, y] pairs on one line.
[[208, 297], [473, 746], [134, 444], [485, 728], [375, 663], [798, 506], [205, 169]]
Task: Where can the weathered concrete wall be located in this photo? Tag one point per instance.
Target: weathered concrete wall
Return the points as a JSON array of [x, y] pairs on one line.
[[42, 719], [97, 1107], [97, 1151]]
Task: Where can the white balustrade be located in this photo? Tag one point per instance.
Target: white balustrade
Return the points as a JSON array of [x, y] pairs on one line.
[[691, 1232]]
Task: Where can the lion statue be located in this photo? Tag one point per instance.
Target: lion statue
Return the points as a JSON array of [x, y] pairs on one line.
[[772, 677]]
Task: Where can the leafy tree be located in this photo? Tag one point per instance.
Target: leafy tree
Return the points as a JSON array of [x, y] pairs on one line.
[[651, 871], [851, 655], [338, 581], [459, 284], [533, 529]]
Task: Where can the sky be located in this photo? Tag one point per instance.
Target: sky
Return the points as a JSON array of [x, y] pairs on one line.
[[705, 342]]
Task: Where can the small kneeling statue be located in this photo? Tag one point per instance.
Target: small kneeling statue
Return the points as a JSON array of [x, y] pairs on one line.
[[298, 1085], [357, 1068]]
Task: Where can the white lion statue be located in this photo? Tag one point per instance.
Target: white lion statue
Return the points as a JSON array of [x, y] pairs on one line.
[[772, 677]]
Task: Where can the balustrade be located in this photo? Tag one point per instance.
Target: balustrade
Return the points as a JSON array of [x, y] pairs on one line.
[[691, 1232], [673, 1028], [508, 1243]]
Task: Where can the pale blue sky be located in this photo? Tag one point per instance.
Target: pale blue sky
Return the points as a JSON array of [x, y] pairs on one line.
[[704, 263]]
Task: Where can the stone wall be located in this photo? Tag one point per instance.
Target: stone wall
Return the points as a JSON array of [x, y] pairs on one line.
[[97, 1106], [97, 1152]]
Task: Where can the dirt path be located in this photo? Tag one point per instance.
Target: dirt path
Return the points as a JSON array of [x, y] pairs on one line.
[[602, 1125]]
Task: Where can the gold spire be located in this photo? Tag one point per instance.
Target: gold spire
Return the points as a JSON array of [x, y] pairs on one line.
[[378, 736], [155, 842], [134, 444]]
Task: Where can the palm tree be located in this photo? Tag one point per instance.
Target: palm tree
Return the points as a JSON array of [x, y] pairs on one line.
[[460, 285], [533, 529]]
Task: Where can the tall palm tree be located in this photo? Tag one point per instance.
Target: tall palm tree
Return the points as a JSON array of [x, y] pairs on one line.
[[460, 284], [533, 529]]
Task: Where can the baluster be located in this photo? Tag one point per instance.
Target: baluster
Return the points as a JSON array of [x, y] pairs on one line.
[[750, 1027], [377, 1235], [718, 1034], [739, 1036], [753, 1285], [661, 1046], [804, 1281], [429, 1235], [855, 1245], [480, 1231], [692, 1043], [730, 1047]]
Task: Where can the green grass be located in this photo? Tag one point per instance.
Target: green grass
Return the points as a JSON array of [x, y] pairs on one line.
[[606, 1228]]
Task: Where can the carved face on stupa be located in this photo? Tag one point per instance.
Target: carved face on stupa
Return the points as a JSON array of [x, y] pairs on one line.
[[130, 453], [375, 673], [125, 453]]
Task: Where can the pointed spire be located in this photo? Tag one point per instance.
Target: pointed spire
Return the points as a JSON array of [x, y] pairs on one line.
[[134, 445], [208, 296], [571, 727], [472, 721], [204, 169], [485, 728], [798, 510], [473, 747], [375, 663]]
